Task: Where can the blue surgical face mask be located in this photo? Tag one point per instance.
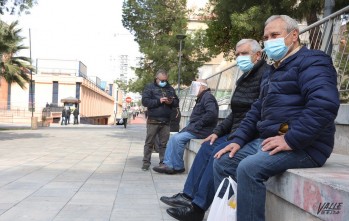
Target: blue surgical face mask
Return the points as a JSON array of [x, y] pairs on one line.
[[276, 48], [162, 83], [244, 63]]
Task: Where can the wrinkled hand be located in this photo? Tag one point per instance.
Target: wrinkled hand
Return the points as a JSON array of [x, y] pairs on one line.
[[275, 144], [212, 138], [233, 148]]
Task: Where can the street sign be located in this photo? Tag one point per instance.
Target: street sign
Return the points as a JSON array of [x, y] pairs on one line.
[[128, 100]]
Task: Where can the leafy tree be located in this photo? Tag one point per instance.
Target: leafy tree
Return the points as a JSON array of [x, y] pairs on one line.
[[16, 6], [155, 24], [122, 85], [231, 20], [14, 69]]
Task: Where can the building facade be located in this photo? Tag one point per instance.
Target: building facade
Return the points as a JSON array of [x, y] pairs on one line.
[[54, 81]]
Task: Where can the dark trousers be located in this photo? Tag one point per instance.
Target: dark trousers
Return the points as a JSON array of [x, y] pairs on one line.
[[76, 121], [163, 131]]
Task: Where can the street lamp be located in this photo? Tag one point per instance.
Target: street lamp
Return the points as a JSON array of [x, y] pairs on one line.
[[31, 75], [180, 37]]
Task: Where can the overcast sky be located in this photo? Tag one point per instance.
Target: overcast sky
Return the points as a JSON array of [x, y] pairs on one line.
[[88, 31], [83, 30]]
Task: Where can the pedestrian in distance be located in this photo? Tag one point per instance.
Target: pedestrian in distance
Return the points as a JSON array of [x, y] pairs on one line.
[[63, 118], [68, 115], [124, 117], [76, 115]]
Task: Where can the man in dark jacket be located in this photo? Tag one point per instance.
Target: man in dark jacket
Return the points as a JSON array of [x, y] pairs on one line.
[[76, 115], [64, 115], [198, 192], [202, 121], [293, 119], [159, 98]]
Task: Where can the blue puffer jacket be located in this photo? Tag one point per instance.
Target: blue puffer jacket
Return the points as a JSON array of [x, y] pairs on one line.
[[204, 116], [302, 93]]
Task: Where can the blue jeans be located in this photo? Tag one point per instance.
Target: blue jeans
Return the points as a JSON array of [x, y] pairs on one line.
[[199, 184], [175, 149], [251, 167]]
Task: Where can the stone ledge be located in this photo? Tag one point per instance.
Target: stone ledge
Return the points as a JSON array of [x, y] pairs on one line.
[[301, 193], [310, 189]]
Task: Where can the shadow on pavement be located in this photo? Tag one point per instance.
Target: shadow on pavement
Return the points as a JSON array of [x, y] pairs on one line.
[[13, 136]]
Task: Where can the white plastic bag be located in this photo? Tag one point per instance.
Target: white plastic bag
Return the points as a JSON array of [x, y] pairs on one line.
[[121, 121], [224, 209]]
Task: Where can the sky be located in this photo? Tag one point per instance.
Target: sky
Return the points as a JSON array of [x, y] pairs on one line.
[[83, 30], [87, 31]]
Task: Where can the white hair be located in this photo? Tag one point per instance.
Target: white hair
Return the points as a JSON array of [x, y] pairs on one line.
[[291, 24], [255, 46]]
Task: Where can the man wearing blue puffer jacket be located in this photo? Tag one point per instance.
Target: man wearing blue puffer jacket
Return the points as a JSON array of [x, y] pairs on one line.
[[293, 119]]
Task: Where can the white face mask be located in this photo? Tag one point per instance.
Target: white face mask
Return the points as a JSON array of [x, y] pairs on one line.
[[195, 88]]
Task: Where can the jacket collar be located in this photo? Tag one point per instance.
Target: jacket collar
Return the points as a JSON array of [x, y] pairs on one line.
[[202, 94]]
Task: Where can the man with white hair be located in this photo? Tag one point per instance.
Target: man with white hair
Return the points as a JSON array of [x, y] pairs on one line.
[[198, 192], [291, 125], [203, 120]]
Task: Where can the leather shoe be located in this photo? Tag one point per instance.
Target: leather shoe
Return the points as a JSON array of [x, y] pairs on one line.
[[177, 200], [163, 168], [186, 213]]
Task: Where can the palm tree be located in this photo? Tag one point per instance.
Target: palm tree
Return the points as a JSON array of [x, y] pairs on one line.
[[14, 69]]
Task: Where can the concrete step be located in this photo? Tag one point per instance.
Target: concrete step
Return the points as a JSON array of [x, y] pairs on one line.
[[303, 194], [311, 194]]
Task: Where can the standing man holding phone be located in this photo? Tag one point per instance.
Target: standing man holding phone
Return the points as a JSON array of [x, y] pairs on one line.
[[159, 97]]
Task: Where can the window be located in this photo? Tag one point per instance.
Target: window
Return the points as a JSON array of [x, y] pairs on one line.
[[77, 92], [55, 92]]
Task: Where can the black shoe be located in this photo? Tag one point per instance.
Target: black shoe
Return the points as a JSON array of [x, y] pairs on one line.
[[177, 200], [163, 168], [145, 167], [179, 171], [186, 213]]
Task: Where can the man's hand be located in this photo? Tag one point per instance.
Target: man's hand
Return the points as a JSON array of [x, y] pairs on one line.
[[163, 100], [233, 148], [169, 100], [275, 144], [212, 138]]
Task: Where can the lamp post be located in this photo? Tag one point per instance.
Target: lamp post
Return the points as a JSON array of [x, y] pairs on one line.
[[180, 37], [31, 74]]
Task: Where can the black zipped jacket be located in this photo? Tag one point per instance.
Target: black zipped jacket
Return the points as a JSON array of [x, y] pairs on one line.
[[151, 99], [245, 94]]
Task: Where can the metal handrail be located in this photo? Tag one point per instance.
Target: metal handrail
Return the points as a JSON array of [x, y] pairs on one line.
[[323, 20], [323, 39]]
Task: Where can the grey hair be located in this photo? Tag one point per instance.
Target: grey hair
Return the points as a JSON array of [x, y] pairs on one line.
[[162, 72], [291, 24], [255, 46]]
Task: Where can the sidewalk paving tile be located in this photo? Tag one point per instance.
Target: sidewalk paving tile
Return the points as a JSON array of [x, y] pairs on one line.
[[81, 172]]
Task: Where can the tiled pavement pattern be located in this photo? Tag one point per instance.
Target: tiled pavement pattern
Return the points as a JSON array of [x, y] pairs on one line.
[[81, 173]]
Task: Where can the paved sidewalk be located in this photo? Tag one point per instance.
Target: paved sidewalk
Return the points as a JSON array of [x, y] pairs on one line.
[[81, 172]]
